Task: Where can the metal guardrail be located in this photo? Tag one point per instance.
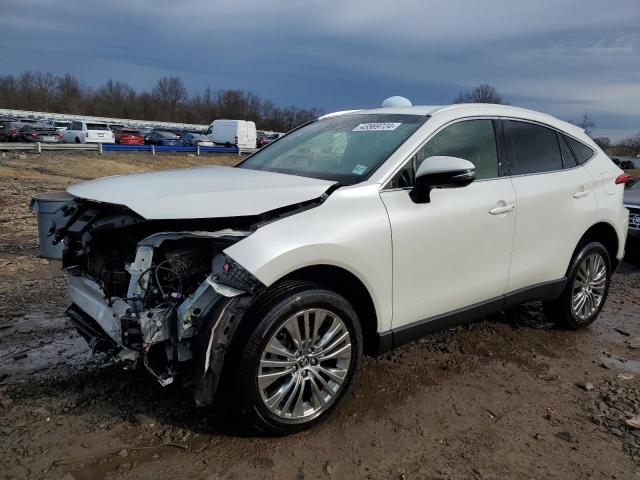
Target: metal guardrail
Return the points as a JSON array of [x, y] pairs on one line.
[[114, 147], [40, 147]]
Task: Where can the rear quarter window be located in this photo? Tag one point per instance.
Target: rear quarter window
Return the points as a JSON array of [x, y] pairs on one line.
[[580, 150]]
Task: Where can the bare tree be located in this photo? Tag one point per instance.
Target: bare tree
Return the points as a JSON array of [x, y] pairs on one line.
[[481, 94], [602, 142], [628, 146], [169, 91], [586, 123]]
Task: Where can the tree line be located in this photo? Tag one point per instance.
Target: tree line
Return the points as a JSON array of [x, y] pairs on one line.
[[168, 100]]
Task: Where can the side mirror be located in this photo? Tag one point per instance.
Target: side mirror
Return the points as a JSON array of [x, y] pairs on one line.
[[441, 172]]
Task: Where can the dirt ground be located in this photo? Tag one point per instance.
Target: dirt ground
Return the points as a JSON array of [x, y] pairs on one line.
[[509, 397]]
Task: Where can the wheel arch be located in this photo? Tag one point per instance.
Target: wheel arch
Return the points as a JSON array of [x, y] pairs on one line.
[[348, 285], [606, 234]]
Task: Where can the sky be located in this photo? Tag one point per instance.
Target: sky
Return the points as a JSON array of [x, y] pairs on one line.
[[563, 57]]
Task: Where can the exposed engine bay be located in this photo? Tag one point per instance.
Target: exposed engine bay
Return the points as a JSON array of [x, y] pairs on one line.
[[142, 290]]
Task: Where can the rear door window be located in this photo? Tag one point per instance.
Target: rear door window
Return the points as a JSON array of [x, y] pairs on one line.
[[581, 151], [535, 149]]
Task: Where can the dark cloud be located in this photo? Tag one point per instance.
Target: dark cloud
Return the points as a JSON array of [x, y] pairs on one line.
[[563, 58]]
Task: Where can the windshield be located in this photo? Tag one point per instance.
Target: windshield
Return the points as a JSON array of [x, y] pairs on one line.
[[345, 148]]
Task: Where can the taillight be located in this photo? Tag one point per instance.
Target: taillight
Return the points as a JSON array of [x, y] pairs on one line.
[[235, 140], [622, 179]]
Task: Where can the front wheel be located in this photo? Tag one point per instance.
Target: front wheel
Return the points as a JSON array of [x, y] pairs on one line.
[[588, 280], [300, 360]]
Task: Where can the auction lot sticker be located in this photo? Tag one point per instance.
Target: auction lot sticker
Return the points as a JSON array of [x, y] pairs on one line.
[[376, 127]]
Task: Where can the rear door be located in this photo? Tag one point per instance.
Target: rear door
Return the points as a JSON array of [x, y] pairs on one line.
[[556, 203]]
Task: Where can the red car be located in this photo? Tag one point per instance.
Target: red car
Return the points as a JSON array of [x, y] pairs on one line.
[[128, 136]]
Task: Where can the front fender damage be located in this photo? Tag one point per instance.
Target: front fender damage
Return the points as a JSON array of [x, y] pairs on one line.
[[239, 288], [160, 293]]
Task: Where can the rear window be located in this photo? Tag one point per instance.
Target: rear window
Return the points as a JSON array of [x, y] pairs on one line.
[[128, 131], [97, 126], [580, 150], [535, 148]]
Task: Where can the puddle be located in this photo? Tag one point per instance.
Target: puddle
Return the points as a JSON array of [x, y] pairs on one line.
[[36, 343], [632, 366]]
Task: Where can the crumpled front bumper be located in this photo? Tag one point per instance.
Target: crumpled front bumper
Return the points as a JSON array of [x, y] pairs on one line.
[[89, 300]]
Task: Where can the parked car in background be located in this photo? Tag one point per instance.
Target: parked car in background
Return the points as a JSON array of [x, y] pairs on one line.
[[161, 137], [88, 132], [40, 133], [632, 202], [353, 234], [196, 140], [264, 138], [128, 136], [239, 133], [11, 131], [59, 125], [28, 120]]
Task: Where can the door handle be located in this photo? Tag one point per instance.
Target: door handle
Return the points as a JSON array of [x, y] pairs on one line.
[[505, 208], [581, 193]]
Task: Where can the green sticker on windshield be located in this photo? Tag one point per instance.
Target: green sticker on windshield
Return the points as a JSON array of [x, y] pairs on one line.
[[359, 169]]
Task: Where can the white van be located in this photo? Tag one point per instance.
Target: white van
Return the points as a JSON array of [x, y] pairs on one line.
[[241, 133]]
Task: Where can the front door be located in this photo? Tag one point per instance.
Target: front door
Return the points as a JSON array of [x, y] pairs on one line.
[[455, 251]]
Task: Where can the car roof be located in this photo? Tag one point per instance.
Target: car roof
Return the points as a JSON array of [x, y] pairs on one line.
[[470, 110]]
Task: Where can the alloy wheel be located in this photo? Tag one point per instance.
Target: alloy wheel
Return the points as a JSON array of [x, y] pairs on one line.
[[589, 286], [305, 364]]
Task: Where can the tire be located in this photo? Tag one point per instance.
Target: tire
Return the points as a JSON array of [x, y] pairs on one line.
[[593, 283], [307, 395], [77, 140]]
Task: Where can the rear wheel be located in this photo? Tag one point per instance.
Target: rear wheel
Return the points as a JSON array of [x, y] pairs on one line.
[[77, 140], [300, 360], [588, 280]]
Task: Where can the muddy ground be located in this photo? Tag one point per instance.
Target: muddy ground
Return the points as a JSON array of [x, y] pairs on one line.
[[510, 397]]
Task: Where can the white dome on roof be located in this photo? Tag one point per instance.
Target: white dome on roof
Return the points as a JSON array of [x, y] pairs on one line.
[[396, 101]]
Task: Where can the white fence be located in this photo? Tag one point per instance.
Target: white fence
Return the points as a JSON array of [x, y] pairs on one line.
[[119, 121]]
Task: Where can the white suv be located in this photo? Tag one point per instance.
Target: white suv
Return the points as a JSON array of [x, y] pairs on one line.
[[353, 234], [88, 132]]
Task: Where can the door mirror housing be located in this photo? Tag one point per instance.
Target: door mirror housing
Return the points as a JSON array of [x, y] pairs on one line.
[[441, 172]]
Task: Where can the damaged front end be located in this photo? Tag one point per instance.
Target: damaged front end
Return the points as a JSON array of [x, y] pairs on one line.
[[143, 290]]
